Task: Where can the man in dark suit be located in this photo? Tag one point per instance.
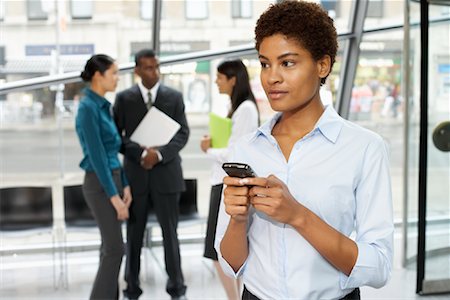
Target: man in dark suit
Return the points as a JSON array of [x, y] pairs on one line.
[[155, 174]]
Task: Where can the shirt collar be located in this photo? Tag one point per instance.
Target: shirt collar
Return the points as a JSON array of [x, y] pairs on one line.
[[96, 98], [153, 90], [329, 124]]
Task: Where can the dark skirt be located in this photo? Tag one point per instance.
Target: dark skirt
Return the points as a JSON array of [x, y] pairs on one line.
[[214, 204]]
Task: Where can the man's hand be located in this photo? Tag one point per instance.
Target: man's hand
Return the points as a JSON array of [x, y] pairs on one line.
[[150, 160]]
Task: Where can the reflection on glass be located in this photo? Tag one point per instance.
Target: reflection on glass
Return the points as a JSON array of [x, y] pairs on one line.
[[377, 103], [437, 262], [381, 13], [339, 11]]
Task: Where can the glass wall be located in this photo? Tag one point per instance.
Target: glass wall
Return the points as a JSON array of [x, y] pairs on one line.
[[438, 170], [376, 101], [437, 243]]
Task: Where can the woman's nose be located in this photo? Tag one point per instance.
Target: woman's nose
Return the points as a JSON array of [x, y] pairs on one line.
[[274, 75]]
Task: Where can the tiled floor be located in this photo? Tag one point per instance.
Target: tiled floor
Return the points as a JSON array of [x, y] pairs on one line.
[[31, 276]]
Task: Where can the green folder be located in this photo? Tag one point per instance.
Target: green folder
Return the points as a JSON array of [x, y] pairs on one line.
[[219, 130]]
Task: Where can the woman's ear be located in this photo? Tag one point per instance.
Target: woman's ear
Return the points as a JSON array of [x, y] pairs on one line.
[[233, 80], [324, 66], [97, 74]]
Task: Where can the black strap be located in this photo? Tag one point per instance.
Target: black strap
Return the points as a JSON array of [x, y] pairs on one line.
[[354, 295], [246, 295]]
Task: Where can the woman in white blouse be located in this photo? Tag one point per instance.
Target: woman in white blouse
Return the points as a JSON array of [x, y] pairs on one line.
[[233, 80]]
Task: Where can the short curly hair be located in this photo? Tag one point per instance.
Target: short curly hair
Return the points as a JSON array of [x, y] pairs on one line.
[[305, 22]]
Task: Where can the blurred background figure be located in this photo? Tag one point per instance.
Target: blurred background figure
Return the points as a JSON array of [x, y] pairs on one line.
[[105, 186], [155, 173], [233, 80]]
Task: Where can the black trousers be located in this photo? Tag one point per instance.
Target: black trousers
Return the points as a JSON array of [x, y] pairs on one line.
[[355, 295], [166, 210]]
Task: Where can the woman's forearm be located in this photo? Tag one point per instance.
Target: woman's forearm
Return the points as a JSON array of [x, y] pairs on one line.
[[234, 245]]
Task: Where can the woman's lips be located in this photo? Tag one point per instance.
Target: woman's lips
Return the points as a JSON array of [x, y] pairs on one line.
[[276, 94]]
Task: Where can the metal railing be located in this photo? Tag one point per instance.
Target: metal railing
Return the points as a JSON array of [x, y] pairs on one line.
[[44, 81]]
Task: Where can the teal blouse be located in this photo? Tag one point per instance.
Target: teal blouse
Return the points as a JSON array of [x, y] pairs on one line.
[[99, 140]]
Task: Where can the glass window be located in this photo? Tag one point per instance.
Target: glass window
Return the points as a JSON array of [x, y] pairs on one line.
[[196, 9], [36, 10], [241, 8], [332, 6], [384, 13], [146, 9], [437, 267], [339, 11], [81, 9], [217, 31], [2, 10], [375, 9], [377, 102]]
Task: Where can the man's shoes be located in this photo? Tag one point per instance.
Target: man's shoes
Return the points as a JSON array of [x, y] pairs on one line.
[[182, 297], [132, 294]]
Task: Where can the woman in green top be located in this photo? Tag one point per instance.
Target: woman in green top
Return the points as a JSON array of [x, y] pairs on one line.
[[105, 186]]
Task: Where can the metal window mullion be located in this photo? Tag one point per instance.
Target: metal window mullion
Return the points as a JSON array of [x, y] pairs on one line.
[[156, 28], [423, 146], [350, 58], [406, 68]]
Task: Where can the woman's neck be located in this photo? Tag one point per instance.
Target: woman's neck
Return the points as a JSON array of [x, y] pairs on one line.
[[302, 121], [98, 89]]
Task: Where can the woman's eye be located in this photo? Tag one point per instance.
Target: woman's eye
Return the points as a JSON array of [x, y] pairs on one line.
[[264, 65], [288, 63]]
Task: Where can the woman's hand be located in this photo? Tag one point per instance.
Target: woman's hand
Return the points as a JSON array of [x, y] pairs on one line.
[[205, 143], [271, 196], [127, 198], [236, 199], [120, 207]]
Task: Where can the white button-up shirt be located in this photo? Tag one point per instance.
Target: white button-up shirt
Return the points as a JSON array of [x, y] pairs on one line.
[[340, 171], [243, 121]]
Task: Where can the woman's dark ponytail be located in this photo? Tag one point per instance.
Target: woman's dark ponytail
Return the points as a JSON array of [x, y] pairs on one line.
[[98, 62]]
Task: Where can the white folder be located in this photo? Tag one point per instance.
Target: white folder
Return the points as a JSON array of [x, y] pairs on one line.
[[156, 129]]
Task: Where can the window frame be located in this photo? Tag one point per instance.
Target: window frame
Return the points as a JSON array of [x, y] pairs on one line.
[[187, 10], [81, 17], [43, 14], [237, 9]]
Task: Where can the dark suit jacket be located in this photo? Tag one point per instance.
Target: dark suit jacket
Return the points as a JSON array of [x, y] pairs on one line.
[[129, 109]]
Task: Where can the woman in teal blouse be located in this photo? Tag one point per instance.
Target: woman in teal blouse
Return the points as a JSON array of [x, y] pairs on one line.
[[105, 186]]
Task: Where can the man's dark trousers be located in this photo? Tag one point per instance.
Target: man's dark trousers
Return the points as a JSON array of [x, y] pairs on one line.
[[167, 213]]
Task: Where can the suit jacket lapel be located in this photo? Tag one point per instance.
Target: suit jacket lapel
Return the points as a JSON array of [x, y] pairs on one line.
[[159, 95], [138, 94]]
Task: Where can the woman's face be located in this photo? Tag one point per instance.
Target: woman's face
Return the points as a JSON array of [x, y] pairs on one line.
[[110, 78], [289, 75], [224, 84]]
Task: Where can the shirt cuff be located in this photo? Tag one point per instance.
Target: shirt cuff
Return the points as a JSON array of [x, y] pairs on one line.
[[144, 153], [366, 270], [160, 158], [227, 269]]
